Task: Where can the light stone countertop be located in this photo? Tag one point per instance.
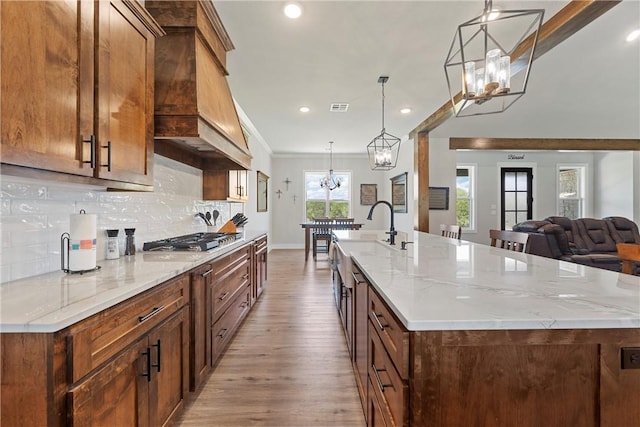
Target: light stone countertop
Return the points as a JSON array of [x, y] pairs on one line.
[[445, 284], [53, 301]]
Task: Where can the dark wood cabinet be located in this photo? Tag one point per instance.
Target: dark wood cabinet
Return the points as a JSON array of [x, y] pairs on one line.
[[360, 332], [77, 91], [200, 338], [259, 262]]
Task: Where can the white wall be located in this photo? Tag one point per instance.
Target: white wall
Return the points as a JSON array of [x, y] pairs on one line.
[[544, 183], [614, 184], [289, 210], [261, 162]]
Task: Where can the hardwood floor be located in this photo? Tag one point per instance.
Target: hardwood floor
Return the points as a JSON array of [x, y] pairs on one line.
[[288, 365]]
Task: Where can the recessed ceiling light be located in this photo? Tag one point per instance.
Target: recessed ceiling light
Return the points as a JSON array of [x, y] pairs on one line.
[[293, 10], [304, 109], [633, 35], [406, 110]]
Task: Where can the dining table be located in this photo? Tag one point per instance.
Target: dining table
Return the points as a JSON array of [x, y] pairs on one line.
[[308, 226]]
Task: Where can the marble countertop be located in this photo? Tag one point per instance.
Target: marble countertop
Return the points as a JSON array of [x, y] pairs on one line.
[[53, 301], [445, 284]]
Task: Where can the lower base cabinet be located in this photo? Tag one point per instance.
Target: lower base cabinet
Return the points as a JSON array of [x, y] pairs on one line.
[[143, 386]]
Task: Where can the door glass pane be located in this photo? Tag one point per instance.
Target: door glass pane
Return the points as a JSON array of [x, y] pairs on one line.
[[509, 220], [509, 181], [522, 201], [510, 201], [521, 216], [522, 181]]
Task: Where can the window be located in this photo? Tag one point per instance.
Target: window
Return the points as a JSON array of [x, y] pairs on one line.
[[465, 196], [320, 202], [516, 196], [571, 191]]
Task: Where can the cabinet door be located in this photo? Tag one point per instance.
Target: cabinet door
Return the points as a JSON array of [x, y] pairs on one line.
[[169, 346], [200, 345], [261, 266], [115, 395], [46, 101], [360, 332], [125, 60]]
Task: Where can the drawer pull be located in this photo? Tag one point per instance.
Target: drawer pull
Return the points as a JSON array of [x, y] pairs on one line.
[[377, 371], [148, 356], [223, 333], [246, 276], [157, 365], [153, 312], [355, 279], [223, 296], [206, 273], [377, 318]]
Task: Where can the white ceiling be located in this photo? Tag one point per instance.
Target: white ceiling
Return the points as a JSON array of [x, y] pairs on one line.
[[587, 87]]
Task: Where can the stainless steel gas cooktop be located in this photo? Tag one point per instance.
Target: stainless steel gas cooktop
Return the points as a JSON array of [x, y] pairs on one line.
[[192, 242]]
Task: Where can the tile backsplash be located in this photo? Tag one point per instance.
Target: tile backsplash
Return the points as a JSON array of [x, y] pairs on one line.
[[34, 214]]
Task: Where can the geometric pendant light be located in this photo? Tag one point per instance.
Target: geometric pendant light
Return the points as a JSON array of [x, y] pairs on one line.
[[383, 149]]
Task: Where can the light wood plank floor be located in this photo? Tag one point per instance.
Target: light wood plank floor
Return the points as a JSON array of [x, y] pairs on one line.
[[288, 365]]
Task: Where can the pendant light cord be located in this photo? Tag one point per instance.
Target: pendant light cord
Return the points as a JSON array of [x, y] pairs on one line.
[[383, 107]]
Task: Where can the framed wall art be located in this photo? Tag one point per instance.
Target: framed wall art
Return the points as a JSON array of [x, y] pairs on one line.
[[399, 193], [368, 194], [263, 191]]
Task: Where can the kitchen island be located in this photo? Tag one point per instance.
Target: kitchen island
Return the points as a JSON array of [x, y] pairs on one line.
[[461, 334]]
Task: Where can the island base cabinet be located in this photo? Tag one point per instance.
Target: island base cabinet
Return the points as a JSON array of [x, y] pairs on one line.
[[225, 327], [375, 417], [145, 385]]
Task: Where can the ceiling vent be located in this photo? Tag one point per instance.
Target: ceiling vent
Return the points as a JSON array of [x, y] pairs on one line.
[[339, 107]]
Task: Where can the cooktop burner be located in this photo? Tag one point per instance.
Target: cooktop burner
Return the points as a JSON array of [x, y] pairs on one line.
[[192, 242]]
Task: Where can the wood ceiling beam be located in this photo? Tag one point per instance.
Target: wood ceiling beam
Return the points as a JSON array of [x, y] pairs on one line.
[[544, 144], [572, 18]]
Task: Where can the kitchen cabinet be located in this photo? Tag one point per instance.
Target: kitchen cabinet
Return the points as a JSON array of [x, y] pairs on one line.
[[126, 365], [229, 298], [259, 264], [77, 91], [360, 332], [200, 342], [230, 185]]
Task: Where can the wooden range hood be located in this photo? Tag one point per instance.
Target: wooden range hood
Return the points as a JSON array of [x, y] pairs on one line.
[[196, 121]]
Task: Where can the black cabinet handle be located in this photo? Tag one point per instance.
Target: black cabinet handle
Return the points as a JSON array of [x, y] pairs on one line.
[[157, 365], [377, 371], [108, 147], [92, 144], [153, 312], [377, 319], [148, 373]]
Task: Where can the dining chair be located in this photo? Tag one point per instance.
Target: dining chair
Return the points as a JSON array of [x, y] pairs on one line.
[[452, 231], [510, 240], [629, 254], [321, 234]]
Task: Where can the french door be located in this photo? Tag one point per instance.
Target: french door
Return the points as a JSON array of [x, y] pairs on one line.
[[516, 196]]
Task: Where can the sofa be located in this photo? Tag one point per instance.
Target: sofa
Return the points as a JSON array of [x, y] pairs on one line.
[[586, 241]]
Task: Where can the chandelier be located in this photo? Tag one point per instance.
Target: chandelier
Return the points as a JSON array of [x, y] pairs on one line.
[[383, 149], [330, 182], [488, 69]]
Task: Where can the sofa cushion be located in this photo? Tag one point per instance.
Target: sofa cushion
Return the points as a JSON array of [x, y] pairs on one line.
[[594, 235], [623, 230], [570, 232]]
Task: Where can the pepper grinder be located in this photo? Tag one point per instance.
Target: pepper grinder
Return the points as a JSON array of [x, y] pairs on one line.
[[130, 245], [113, 252]]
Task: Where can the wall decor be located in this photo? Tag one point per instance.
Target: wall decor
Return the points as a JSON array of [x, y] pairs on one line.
[[399, 193], [368, 194], [439, 198], [263, 184]]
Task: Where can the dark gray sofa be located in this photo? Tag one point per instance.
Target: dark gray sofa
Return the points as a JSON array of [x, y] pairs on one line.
[[586, 241]]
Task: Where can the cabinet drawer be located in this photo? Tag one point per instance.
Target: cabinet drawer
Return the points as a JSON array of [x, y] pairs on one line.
[[226, 288], [98, 338], [228, 264], [261, 244], [391, 391], [223, 329], [375, 416], [392, 333]]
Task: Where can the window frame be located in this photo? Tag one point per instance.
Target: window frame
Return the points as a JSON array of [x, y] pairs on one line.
[[328, 192], [472, 168], [582, 187]]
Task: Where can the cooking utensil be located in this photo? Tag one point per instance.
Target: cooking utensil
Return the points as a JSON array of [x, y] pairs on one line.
[[208, 216], [216, 214], [204, 218]]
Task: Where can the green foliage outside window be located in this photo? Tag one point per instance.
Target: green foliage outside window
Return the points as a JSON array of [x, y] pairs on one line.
[[337, 209], [462, 208]]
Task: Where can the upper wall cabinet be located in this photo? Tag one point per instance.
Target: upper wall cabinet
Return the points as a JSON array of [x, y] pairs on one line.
[[77, 90], [196, 121]]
